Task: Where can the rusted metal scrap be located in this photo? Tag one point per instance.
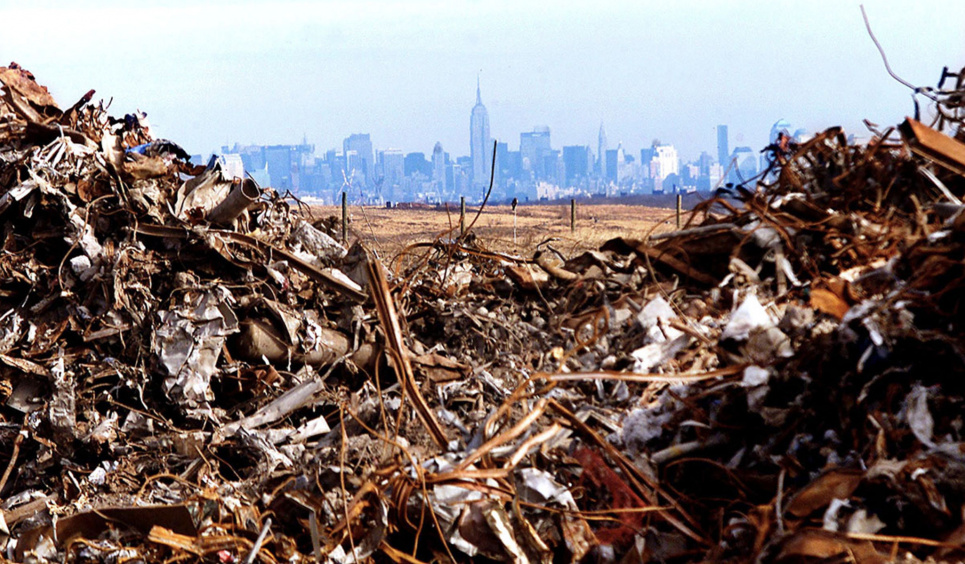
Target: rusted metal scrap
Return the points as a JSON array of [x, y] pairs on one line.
[[195, 370]]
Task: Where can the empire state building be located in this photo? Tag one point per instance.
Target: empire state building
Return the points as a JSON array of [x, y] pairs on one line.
[[480, 145]]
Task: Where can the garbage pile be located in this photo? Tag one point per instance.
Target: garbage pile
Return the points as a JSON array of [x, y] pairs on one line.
[[192, 369]]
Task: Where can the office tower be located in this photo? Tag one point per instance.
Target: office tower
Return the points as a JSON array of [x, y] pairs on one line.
[[504, 164], [646, 155], [354, 166], [416, 163], [279, 161], [480, 145], [623, 171], [723, 147], [361, 144], [533, 147], [664, 163], [704, 162], [612, 165], [439, 167], [576, 159], [393, 167]]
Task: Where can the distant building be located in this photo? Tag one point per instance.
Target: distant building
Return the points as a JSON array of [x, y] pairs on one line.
[[353, 168], [512, 163], [612, 164], [282, 167], [505, 164], [553, 169], [577, 161], [712, 179], [393, 167], [690, 172], [460, 184], [624, 170], [663, 163], [746, 163], [334, 168], [416, 163], [723, 146], [253, 156], [646, 155], [303, 163], [279, 161], [232, 165], [480, 145], [361, 144], [533, 147], [439, 168], [704, 162]]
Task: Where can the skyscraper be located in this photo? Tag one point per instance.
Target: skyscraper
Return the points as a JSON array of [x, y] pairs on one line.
[[439, 168], [533, 147], [393, 167], [364, 168], [480, 145], [577, 160], [723, 148], [279, 160], [664, 163]]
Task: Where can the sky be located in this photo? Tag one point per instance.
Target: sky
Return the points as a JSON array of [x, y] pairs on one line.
[[273, 72]]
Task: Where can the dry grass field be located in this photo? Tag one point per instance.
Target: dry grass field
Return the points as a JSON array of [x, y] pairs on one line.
[[389, 231]]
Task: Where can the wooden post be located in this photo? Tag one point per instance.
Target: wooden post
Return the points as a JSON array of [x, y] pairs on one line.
[[572, 215], [344, 217], [514, 227], [462, 216], [678, 210]]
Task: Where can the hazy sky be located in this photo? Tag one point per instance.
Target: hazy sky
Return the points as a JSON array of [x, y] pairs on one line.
[[269, 72]]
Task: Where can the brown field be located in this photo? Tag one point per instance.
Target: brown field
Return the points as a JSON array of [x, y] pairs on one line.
[[389, 231]]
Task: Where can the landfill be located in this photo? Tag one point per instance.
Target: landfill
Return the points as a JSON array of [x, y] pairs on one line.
[[194, 369]]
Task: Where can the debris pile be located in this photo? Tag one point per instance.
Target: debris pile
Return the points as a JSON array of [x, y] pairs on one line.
[[191, 369]]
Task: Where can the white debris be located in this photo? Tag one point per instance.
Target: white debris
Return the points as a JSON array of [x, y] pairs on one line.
[[864, 524], [189, 341], [918, 416], [655, 318], [755, 376], [748, 318], [648, 357]]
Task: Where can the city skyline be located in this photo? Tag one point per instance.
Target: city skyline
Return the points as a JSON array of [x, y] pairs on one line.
[[536, 171], [210, 73]]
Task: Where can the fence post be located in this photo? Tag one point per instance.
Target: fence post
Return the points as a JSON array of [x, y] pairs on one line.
[[514, 226], [572, 215], [462, 216], [344, 218], [678, 210]]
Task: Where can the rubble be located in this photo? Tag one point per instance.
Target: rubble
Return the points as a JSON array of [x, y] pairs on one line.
[[191, 369]]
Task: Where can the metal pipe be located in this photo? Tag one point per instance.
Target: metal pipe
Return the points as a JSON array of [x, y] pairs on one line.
[[243, 193]]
